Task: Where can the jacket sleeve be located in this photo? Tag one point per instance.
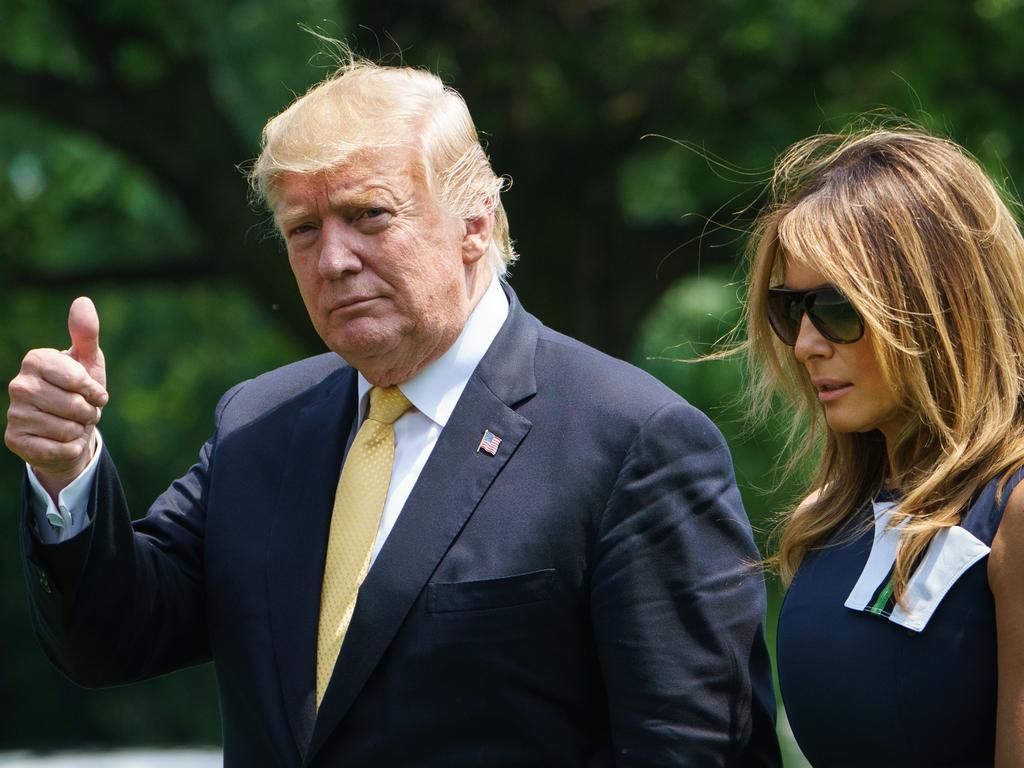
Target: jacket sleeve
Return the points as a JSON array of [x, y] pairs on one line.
[[678, 604], [122, 600]]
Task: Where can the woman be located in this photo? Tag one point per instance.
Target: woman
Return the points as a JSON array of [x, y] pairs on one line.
[[886, 300]]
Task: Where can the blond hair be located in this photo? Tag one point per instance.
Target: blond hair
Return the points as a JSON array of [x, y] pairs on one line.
[[364, 106], [913, 232]]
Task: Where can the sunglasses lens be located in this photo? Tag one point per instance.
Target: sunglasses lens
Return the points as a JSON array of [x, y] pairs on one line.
[[835, 317], [830, 312], [785, 310]]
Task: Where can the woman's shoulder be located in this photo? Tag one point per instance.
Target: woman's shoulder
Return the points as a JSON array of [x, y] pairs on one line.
[[994, 501], [1014, 506], [1006, 560]]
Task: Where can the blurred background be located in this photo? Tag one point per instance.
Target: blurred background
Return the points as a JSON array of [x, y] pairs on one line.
[[638, 135]]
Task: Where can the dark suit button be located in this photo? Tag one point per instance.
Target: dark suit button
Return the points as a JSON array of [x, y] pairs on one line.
[[44, 583]]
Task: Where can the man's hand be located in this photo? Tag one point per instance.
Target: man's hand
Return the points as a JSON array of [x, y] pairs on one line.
[[56, 401]]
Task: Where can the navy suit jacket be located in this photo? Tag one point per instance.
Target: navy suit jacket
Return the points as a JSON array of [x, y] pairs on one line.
[[588, 596]]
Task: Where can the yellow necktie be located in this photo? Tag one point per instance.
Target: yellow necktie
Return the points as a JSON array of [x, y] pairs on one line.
[[358, 504]]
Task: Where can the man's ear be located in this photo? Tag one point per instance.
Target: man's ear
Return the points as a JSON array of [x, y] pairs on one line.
[[477, 237]]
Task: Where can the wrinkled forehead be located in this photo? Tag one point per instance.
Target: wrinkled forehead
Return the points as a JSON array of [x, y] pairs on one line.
[[399, 168]]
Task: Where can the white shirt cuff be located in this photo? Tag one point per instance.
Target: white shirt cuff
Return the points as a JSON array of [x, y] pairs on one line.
[[69, 516]]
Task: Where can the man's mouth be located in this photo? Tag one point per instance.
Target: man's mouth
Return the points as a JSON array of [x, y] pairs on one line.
[[353, 302]]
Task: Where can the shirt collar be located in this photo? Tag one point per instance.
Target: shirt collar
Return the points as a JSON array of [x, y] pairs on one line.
[[436, 389]]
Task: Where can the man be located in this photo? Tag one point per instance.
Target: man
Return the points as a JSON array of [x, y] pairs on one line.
[[533, 555]]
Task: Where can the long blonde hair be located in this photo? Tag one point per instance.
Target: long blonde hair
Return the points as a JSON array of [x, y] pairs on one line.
[[913, 232]]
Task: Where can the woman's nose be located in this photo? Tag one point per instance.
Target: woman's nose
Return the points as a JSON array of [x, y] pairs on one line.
[[809, 341]]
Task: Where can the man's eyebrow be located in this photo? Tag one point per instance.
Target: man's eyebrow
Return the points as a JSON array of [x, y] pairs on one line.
[[366, 196], [290, 214]]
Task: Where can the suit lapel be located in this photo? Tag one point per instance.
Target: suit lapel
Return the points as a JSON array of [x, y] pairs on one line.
[[298, 543], [452, 483]]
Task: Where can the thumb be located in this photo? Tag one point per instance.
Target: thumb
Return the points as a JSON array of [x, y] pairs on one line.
[[84, 329]]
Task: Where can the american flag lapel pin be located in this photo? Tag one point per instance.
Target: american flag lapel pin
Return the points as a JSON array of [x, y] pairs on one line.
[[489, 443]]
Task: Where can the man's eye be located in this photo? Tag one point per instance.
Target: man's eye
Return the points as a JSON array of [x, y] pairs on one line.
[[301, 229], [373, 213]]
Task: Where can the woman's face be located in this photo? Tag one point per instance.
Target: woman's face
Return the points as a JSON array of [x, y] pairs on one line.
[[847, 378]]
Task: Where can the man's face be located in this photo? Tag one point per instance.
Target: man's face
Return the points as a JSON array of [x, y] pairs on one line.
[[380, 264]]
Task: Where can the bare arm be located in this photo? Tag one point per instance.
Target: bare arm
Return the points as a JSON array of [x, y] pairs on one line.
[[1006, 576]]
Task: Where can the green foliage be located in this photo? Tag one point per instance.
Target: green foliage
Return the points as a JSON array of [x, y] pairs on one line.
[[70, 204]]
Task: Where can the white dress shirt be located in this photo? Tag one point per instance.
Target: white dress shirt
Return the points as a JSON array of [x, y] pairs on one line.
[[61, 521], [433, 392]]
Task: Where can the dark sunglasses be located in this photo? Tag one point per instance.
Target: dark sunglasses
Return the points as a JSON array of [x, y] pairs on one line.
[[829, 311]]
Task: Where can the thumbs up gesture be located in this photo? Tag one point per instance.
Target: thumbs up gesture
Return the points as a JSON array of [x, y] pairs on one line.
[[84, 330], [56, 402]]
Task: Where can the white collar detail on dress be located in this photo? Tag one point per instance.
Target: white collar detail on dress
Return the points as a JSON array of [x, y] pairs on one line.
[[949, 555]]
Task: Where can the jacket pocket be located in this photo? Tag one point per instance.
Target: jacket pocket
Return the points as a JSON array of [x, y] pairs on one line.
[[523, 588]]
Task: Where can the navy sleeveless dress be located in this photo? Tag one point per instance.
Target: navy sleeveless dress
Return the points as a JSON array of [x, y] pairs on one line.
[[868, 683]]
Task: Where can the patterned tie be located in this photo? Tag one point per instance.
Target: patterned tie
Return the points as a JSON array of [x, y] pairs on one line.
[[358, 504]]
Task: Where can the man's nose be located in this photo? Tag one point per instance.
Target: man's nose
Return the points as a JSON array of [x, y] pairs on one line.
[[339, 250], [809, 341]]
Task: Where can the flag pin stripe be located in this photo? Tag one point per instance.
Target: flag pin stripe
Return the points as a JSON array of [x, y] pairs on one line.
[[489, 443]]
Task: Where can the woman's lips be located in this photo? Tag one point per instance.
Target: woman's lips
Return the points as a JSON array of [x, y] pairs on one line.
[[831, 391]]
